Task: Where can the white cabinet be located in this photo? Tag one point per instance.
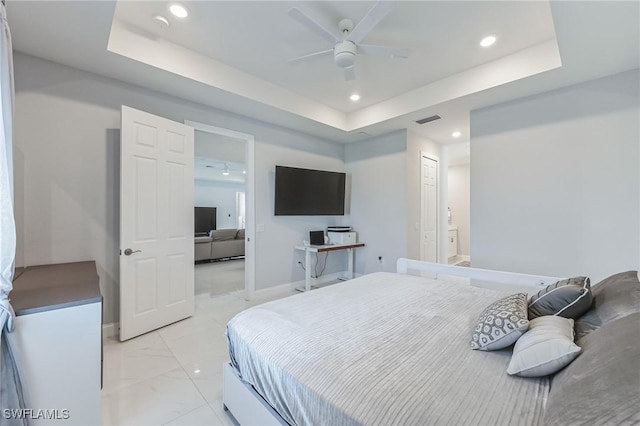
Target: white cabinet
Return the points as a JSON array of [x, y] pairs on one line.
[[57, 341], [453, 242]]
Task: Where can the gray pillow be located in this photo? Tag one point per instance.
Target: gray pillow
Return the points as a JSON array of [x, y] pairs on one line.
[[614, 297], [568, 298], [601, 386], [501, 323]]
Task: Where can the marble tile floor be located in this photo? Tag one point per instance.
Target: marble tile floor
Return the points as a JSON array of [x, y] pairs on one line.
[[219, 277], [173, 376]]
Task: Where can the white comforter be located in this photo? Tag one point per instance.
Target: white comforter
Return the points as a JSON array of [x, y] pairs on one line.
[[382, 349]]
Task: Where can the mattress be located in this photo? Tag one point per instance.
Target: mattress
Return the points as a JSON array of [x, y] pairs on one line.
[[382, 349]]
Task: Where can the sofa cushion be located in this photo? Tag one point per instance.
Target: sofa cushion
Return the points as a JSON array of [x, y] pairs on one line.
[[228, 248], [224, 234], [240, 234]]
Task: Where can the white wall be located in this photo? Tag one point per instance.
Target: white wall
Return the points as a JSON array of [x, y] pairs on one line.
[[67, 175], [377, 170], [218, 147], [459, 202], [555, 181], [222, 196], [277, 256]]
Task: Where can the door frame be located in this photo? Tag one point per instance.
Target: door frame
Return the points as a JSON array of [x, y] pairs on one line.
[[250, 242], [424, 154]]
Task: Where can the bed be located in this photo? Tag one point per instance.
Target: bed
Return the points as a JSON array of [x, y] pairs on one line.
[[385, 348]]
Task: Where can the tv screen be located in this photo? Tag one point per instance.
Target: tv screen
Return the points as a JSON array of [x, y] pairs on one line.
[[204, 219], [305, 192]]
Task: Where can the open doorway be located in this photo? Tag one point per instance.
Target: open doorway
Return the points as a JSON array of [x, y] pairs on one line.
[[223, 195], [459, 208]]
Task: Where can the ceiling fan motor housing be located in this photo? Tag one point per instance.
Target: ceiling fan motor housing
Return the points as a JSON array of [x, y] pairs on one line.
[[344, 54]]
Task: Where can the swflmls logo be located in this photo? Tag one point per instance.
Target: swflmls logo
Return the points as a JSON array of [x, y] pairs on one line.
[[30, 413]]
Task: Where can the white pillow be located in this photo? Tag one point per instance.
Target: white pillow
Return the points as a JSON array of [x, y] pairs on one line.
[[544, 349]]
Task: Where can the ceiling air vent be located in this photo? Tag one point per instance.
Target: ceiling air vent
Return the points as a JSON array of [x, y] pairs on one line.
[[428, 119]]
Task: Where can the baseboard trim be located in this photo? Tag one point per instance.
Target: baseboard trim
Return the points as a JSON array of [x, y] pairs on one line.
[[269, 292], [111, 330], [322, 281], [287, 288], [459, 258]]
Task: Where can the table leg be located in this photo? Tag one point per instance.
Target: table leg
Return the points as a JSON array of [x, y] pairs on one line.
[[307, 274], [351, 269]]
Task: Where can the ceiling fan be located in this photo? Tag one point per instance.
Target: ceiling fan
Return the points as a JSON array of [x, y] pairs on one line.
[[346, 37]]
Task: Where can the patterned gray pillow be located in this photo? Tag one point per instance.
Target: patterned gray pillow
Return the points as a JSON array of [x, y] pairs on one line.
[[501, 323], [568, 298]]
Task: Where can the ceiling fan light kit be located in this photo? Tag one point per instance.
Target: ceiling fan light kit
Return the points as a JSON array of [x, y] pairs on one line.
[[347, 37], [344, 54]]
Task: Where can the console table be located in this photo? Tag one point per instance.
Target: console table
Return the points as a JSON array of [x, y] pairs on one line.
[[350, 248]]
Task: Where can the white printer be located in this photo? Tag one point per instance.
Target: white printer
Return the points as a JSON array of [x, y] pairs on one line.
[[341, 235]]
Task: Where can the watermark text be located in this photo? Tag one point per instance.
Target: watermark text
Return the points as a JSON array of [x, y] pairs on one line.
[[36, 414]]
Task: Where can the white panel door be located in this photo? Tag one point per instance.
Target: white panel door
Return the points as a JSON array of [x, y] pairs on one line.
[[429, 209], [156, 222]]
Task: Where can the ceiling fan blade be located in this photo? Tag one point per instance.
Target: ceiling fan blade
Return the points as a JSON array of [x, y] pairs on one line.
[[349, 74], [370, 20], [392, 52], [309, 56], [315, 24]]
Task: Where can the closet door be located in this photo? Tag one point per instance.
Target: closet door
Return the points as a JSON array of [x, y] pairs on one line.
[[429, 209]]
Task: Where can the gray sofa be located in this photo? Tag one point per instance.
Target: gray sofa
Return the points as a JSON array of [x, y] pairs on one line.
[[220, 244]]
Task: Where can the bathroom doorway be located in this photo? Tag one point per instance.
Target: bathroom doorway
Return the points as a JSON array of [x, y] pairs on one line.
[[459, 208]]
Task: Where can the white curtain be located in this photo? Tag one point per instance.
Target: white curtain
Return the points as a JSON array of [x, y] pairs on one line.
[[11, 395], [7, 220]]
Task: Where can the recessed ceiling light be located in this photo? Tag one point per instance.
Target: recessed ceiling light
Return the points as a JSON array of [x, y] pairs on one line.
[[456, 134], [355, 97], [488, 41], [178, 10], [161, 21]]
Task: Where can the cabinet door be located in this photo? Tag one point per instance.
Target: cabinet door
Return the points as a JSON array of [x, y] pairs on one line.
[[453, 243]]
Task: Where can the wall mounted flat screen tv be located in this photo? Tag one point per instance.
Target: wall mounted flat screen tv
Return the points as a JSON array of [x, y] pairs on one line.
[[204, 220], [306, 192]]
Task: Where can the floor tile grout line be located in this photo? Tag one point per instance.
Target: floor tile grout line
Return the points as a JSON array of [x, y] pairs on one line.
[[224, 413], [110, 393], [188, 412]]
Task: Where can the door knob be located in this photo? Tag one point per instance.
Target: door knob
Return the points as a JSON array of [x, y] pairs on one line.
[[129, 252]]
